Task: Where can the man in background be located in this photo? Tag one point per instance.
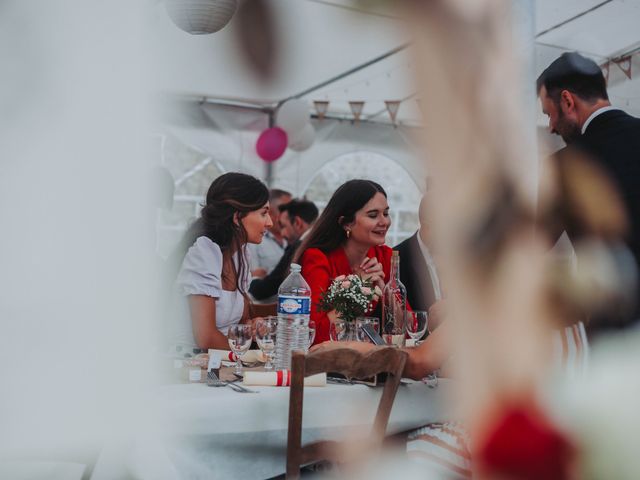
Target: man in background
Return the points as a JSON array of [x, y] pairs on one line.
[[265, 256], [296, 218], [573, 95]]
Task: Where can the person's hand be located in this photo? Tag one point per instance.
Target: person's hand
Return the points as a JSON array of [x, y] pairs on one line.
[[259, 272], [370, 269], [437, 314], [362, 347]]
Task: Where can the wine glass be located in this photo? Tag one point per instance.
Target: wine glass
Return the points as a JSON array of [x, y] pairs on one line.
[[417, 323], [362, 321], [266, 337], [337, 329], [240, 337]]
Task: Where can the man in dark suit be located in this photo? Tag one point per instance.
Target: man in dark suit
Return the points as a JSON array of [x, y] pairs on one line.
[[573, 95], [295, 219], [418, 270]]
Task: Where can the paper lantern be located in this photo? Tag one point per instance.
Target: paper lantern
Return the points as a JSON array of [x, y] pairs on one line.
[[271, 144], [292, 116], [200, 17], [303, 138]]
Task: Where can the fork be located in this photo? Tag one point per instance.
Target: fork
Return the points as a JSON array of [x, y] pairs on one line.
[[214, 381]]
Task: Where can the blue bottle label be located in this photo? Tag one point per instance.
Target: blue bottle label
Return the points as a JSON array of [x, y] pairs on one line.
[[294, 305]]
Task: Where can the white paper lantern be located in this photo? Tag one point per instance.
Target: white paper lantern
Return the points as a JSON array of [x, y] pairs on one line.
[[303, 138], [293, 116], [200, 17]]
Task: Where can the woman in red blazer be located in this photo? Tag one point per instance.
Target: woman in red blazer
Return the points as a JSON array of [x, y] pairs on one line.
[[347, 238]]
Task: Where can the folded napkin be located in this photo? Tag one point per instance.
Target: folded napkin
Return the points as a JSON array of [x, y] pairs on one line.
[[249, 357], [282, 378]]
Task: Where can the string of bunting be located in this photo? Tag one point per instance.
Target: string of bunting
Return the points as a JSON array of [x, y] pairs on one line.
[[624, 63], [392, 106]]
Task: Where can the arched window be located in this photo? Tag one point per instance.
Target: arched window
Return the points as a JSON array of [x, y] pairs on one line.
[[402, 191], [193, 172]]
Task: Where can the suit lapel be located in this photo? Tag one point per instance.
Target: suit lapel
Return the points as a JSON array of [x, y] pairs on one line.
[[424, 286]]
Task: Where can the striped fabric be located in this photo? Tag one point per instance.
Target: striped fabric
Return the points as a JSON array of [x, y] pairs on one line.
[[571, 350], [444, 446]]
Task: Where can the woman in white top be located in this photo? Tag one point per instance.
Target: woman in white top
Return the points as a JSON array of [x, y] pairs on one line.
[[214, 275]]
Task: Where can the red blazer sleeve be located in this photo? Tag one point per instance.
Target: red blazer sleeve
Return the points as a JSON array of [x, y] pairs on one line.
[[317, 273]]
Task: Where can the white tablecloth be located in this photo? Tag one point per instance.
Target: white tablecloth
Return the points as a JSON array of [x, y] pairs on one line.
[[214, 432]]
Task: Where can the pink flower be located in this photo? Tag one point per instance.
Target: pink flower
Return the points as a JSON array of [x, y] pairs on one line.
[[340, 278], [365, 290], [346, 284]]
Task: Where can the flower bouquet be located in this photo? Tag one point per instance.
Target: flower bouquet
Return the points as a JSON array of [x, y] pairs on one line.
[[350, 297]]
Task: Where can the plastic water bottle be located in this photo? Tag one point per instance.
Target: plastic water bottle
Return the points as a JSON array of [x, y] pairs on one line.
[[294, 308]]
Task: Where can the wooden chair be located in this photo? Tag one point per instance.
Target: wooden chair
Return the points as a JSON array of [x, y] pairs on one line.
[[351, 364], [263, 309]]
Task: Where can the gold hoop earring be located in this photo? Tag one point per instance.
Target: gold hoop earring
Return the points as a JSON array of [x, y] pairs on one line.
[[348, 232]]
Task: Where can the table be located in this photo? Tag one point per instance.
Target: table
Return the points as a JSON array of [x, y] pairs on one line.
[[215, 432]]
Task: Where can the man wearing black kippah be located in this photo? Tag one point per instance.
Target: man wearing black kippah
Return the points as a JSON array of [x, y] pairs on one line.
[[573, 95]]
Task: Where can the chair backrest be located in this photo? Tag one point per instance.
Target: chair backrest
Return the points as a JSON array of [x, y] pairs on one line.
[[351, 364], [263, 309]]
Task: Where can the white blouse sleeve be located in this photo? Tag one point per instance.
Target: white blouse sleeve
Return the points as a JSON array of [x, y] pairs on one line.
[[201, 269]]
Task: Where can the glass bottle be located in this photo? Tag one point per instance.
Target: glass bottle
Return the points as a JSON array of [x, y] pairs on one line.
[[394, 306]]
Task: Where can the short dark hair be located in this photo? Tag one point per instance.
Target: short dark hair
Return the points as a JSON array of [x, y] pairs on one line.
[[276, 193], [575, 73], [304, 209]]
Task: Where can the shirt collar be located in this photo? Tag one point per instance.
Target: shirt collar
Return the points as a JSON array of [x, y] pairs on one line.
[[594, 115]]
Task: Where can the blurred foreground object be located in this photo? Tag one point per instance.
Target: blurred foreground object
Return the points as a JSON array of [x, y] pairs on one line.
[[256, 30], [524, 444], [586, 204], [200, 17]]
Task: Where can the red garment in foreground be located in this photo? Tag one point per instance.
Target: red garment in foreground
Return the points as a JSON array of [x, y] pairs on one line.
[[524, 445], [319, 270]]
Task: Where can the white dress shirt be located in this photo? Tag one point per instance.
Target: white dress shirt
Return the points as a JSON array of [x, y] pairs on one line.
[[431, 265], [266, 254]]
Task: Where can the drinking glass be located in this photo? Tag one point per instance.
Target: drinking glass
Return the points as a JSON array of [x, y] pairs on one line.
[[360, 322], [337, 329], [312, 333], [417, 323], [240, 337], [266, 337]]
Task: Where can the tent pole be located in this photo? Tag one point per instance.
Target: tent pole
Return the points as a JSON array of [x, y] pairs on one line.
[[345, 74], [268, 175]]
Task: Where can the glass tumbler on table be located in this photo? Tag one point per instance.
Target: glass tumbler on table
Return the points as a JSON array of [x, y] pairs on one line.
[[266, 329], [312, 333], [240, 337], [337, 330]]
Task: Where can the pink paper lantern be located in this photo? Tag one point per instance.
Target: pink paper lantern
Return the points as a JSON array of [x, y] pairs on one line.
[[271, 144]]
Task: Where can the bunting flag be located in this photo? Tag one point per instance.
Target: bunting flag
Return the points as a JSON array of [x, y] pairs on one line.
[[624, 63], [321, 108], [392, 107], [356, 109]]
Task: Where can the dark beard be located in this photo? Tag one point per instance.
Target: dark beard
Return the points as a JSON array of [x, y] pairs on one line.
[[570, 131]]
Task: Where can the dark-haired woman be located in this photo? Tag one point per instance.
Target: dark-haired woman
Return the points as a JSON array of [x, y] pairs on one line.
[[347, 238], [214, 274]]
